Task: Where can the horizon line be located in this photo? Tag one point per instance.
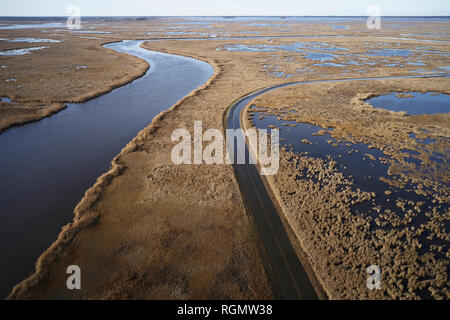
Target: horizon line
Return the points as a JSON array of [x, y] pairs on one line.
[[230, 16]]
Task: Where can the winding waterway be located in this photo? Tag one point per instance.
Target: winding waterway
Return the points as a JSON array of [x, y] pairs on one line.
[[46, 166]]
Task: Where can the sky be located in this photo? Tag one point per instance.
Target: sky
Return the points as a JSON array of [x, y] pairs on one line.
[[224, 7]]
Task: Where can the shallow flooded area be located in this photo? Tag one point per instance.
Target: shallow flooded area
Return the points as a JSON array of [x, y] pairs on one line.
[[367, 167]]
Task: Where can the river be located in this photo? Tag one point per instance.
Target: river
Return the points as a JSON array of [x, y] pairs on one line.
[[46, 166]]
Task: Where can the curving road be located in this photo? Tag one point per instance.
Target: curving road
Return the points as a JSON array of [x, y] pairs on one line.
[[287, 275]]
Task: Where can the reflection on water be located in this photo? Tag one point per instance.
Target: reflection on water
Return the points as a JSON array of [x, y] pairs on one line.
[[31, 40], [328, 64], [340, 27], [5, 99], [413, 102], [303, 137]]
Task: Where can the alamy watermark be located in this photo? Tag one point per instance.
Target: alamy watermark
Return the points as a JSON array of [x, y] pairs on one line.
[[374, 278], [190, 150], [74, 280], [74, 19], [374, 19]]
